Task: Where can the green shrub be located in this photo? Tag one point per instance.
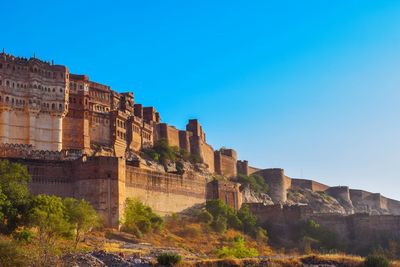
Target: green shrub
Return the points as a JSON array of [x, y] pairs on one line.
[[224, 216], [140, 219], [376, 261], [169, 259], [220, 224], [12, 255], [205, 217], [24, 235], [256, 182], [237, 249]]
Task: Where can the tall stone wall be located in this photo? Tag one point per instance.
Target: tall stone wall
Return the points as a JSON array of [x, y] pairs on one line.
[[308, 184], [226, 191], [278, 183], [225, 162], [359, 229], [165, 193]]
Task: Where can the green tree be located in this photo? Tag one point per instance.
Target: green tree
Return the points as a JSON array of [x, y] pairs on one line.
[[140, 219], [237, 249], [49, 216], [14, 195], [248, 219], [81, 215]]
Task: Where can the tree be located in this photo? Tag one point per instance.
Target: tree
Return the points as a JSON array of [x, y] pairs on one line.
[[49, 216], [14, 195], [237, 249], [248, 219], [140, 219], [81, 215]]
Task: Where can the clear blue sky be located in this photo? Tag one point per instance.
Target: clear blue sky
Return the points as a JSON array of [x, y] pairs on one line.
[[309, 86]]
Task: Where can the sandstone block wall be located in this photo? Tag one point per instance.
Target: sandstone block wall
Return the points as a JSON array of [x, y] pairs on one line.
[[164, 193], [308, 184], [278, 183], [225, 162], [225, 191]]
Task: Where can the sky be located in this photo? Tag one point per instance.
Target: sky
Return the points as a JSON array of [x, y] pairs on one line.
[[308, 86]]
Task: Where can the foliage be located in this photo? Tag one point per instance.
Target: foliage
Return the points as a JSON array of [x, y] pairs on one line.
[[220, 224], [237, 249], [12, 254], [162, 152], [248, 219], [81, 215], [24, 235], [49, 216], [316, 237], [140, 219], [14, 195], [376, 261], [256, 182], [205, 217], [169, 259], [225, 217]]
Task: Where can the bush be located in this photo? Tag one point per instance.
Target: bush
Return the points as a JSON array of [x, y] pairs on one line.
[[162, 152], [205, 217], [224, 216], [11, 254], [140, 219], [220, 224], [24, 235], [237, 249], [169, 259], [376, 261]]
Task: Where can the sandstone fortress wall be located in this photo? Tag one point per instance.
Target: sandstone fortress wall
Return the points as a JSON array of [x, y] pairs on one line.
[[79, 138]]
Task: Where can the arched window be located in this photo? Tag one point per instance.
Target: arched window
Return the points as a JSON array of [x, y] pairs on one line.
[[53, 106]]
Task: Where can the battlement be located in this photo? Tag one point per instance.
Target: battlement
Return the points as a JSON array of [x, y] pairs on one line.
[[29, 152]]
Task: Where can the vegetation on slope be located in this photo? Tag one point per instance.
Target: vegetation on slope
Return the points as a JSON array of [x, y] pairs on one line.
[[164, 154]]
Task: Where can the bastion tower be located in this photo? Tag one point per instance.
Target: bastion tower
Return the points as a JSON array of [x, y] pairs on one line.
[[33, 102]]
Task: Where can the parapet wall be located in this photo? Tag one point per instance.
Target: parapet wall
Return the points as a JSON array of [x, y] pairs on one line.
[[308, 184]]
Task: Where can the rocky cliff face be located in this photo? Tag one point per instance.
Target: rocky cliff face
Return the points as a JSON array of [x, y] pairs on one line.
[[319, 202]]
